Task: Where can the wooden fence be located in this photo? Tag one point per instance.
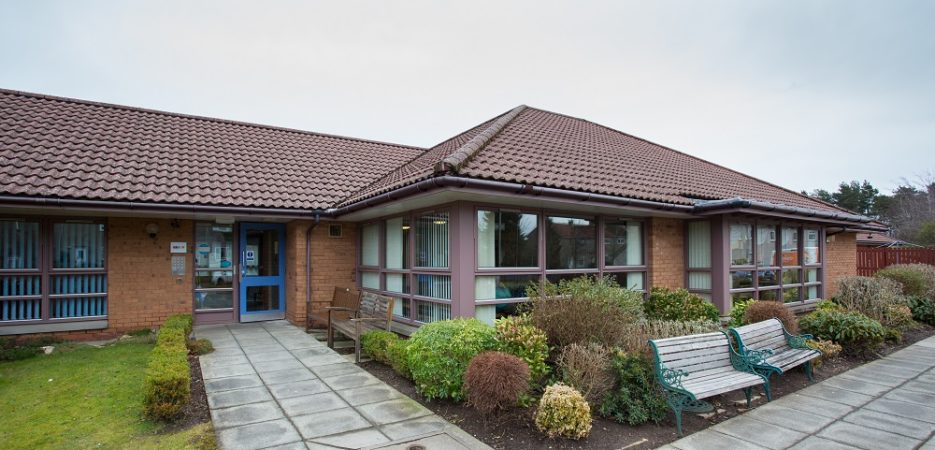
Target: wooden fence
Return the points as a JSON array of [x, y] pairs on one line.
[[870, 260]]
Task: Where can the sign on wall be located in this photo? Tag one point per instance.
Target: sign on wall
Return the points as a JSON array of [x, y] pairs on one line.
[[178, 247]]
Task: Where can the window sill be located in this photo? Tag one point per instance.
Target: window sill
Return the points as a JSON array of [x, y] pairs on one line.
[[52, 327]]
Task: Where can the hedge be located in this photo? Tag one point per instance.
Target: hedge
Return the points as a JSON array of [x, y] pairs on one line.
[[167, 386]]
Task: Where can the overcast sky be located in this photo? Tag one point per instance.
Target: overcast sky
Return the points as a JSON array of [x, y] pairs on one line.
[[799, 93]]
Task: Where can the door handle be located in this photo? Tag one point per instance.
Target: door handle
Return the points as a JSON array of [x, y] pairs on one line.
[[242, 265]]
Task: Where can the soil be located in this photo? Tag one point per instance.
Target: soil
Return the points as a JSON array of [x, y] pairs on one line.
[[515, 429], [196, 411]]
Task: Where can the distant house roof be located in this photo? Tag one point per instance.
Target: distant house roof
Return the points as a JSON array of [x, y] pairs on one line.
[[881, 240], [54, 147]]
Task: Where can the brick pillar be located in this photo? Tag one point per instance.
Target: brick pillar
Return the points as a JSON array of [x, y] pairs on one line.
[[840, 260], [666, 253]]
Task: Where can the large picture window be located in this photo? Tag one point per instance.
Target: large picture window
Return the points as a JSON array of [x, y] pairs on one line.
[[507, 239], [783, 265], [571, 243], [214, 266], [52, 270]]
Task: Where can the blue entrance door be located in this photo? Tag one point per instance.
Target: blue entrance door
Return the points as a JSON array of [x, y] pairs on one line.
[[262, 270]]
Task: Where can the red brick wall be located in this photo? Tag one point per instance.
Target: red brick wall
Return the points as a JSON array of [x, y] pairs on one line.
[[333, 264], [840, 260], [141, 290], [666, 251]]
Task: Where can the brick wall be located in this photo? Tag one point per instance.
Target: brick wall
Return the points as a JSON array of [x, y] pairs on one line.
[[840, 260], [666, 251], [141, 290], [333, 264]]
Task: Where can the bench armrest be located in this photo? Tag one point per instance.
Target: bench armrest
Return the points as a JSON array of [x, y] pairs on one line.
[[798, 342], [368, 319], [338, 308], [750, 359], [671, 377]]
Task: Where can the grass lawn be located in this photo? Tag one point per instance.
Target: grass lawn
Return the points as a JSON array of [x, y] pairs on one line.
[[85, 397]]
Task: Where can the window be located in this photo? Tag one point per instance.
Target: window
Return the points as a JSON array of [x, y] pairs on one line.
[[406, 257], [571, 243], [507, 239], [509, 245], [698, 266], [787, 262], [70, 262], [214, 267]]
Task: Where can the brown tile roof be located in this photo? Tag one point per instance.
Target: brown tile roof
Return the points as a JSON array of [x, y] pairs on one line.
[[58, 147], [66, 148], [542, 148]]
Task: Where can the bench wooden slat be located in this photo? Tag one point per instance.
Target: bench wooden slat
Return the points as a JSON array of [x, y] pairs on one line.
[[370, 306], [660, 343]]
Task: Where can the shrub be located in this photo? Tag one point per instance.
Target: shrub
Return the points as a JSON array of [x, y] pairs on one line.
[[679, 304], [563, 412], [633, 338], [586, 367], [517, 336], [898, 317], [916, 280], [892, 335], [167, 383], [13, 350], [439, 353], [828, 305], [765, 310], [376, 342], [398, 356], [637, 398], [583, 310], [200, 347], [869, 295], [736, 312], [923, 309], [495, 381], [857, 333], [829, 350]]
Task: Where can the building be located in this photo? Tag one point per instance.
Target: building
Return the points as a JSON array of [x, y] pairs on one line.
[[113, 218]]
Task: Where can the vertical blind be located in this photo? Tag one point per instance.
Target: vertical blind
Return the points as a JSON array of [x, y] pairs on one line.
[[432, 240]]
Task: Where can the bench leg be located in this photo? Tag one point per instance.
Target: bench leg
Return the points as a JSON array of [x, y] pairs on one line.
[[676, 401], [808, 372], [749, 393], [769, 394], [680, 402], [357, 349]]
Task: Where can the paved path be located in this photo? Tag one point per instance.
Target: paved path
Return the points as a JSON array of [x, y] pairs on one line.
[[271, 385], [886, 404]]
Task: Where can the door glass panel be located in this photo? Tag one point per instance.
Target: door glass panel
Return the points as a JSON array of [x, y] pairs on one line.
[[261, 254], [214, 279], [262, 298], [214, 246], [214, 299]]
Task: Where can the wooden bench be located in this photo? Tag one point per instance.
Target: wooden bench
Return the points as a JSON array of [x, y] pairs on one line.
[[773, 349], [695, 367], [373, 312]]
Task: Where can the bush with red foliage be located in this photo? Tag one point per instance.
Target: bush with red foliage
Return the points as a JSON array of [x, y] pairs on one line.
[[766, 309], [495, 380]]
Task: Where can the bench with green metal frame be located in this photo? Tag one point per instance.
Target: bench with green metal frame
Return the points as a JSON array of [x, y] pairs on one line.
[[774, 349], [692, 368]]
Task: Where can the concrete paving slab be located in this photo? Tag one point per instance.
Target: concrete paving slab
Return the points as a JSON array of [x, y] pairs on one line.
[[208, 372], [278, 365], [393, 411], [354, 439], [919, 398], [270, 356], [859, 386], [262, 349], [311, 404], [817, 443], [814, 405], [258, 435], [929, 445], [833, 394], [903, 409], [308, 352], [231, 383], [298, 389], [763, 433], [330, 422], [900, 425], [439, 441], [369, 394], [351, 380], [299, 344], [336, 369], [873, 377], [867, 438], [227, 399], [220, 352], [792, 419], [224, 361], [713, 441], [919, 386], [316, 446], [287, 376], [292, 446], [414, 427], [245, 414], [322, 360]]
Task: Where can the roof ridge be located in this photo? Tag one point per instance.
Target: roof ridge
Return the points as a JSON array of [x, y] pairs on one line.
[[199, 117], [694, 157], [454, 161]]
